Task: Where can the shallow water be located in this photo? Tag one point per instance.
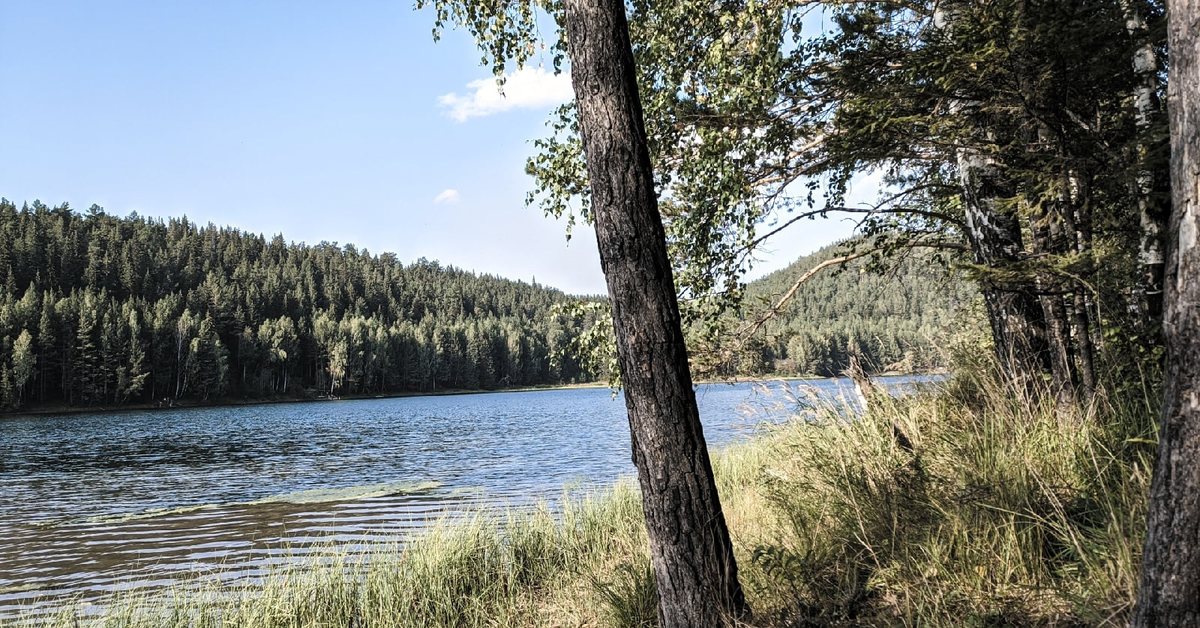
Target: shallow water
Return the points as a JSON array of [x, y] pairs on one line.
[[91, 504]]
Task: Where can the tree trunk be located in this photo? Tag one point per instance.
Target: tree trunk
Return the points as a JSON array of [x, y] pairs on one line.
[[1062, 359], [690, 547], [1151, 181], [1081, 330], [994, 233], [1170, 584], [1079, 223], [1047, 239]]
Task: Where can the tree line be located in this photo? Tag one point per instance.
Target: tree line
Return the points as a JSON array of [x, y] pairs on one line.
[[97, 309]]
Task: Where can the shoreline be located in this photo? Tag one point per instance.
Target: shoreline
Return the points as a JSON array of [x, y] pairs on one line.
[[233, 402], [51, 411]]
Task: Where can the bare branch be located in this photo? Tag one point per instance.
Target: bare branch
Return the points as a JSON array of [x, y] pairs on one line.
[[787, 296]]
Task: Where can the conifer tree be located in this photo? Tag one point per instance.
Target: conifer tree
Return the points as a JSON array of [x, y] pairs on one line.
[[117, 303]]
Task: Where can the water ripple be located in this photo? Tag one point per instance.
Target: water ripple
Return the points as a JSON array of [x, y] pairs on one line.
[[91, 504]]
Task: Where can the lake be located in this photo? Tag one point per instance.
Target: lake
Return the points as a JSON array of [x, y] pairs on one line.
[[96, 503]]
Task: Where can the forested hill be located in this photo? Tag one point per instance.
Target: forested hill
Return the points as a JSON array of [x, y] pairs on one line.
[[901, 318], [98, 309]]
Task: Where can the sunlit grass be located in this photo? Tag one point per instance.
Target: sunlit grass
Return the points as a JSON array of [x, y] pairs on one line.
[[968, 505]]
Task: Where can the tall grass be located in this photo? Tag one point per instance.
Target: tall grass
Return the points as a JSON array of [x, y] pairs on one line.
[[978, 505], [970, 505]]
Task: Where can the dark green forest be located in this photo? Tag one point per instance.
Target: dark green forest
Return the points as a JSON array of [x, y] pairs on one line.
[[103, 310], [901, 317], [98, 310]]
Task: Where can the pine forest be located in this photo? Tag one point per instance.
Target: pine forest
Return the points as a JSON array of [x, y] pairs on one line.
[[100, 310]]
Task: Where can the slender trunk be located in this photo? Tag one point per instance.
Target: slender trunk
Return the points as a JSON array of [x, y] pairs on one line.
[[1079, 224], [1058, 335], [1048, 239], [1081, 330], [690, 548], [1170, 583], [64, 374], [1151, 182], [179, 363]]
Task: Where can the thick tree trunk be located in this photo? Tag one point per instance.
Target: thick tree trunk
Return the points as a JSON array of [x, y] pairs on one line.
[[994, 235], [1151, 182], [1170, 585], [689, 543], [1018, 326]]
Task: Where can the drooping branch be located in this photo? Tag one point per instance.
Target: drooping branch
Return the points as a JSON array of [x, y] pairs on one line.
[[748, 330], [878, 208], [791, 293]]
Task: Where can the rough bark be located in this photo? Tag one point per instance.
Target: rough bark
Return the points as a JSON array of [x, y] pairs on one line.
[[690, 547], [1062, 358], [1048, 238], [1170, 583], [994, 233], [1150, 181], [1081, 330]]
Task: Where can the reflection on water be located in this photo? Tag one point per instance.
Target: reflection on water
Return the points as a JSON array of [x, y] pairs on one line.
[[91, 504]]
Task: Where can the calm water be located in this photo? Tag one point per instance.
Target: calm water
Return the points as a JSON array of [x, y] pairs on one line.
[[91, 504]]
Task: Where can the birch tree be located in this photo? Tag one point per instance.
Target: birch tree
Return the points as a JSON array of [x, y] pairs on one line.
[[1006, 144]]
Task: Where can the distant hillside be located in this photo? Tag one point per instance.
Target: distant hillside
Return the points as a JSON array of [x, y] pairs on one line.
[[898, 319], [97, 309]]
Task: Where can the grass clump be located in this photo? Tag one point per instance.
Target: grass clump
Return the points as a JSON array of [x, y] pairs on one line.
[[969, 504], [974, 505], [630, 598]]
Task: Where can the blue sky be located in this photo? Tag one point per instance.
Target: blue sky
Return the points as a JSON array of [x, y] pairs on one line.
[[342, 122]]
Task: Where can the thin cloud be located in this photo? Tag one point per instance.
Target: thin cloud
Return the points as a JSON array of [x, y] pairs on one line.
[[527, 88], [447, 196]]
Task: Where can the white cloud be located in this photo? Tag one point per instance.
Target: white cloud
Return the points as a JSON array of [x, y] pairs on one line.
[[447, 196], [527, 88]]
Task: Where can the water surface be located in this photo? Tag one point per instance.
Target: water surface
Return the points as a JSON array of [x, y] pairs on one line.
[[91, 504]]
